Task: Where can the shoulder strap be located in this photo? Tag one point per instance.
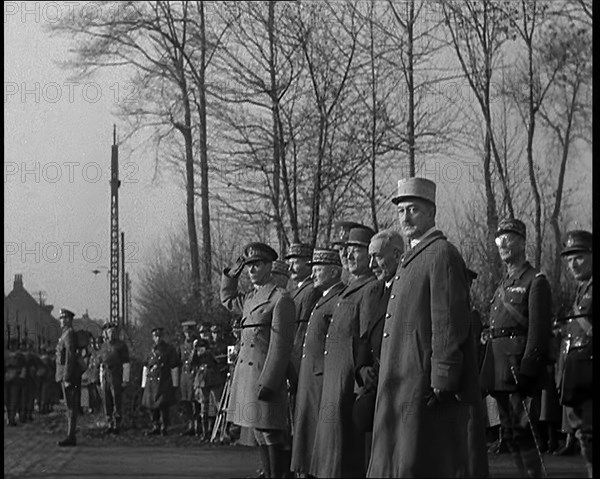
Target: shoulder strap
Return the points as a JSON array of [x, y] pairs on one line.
[[522, 320]]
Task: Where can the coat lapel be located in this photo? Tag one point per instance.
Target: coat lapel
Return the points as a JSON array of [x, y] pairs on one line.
[[356, 285], [331, 294], [298, 291]]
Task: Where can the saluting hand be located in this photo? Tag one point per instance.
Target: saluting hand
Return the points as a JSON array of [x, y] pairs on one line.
[[237, 268]]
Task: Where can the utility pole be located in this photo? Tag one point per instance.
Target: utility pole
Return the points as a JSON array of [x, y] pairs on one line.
[[123, 282], [114, 230]]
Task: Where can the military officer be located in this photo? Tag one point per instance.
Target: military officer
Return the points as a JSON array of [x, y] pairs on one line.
[[342, 229], [514, 366], [68, 373], [115, 372], [305, 296], [160, 379], [339, 445], [258, 394], [190, 406], [577, 350], [47, 381], [281, 273], [385, 251], [327, 280]]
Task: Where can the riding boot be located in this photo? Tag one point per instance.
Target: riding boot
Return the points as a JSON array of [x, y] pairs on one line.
[[265, 460], [532, 462], [276, 461], [569, 448], [552, 438]]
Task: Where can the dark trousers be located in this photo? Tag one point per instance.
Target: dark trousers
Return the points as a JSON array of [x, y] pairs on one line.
[[160, 417], [72, 395], [580, 418], [112, 396], [13, 395]]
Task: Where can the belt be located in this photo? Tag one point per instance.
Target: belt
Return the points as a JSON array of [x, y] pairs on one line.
[[507, 332], [258, 325]]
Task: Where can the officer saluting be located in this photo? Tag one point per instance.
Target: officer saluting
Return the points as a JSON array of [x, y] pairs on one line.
[[114, 375], [514, 366], [575, 363], [258, 396]]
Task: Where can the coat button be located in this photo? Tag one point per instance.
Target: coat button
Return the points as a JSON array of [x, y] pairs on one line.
[[327, 335], [251, 345], [303, 356], [388, 315], [393, 296], [397, 277], [325, 352], [386, 335], [250, 363]]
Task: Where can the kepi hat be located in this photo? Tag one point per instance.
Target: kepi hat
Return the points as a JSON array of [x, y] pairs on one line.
[[157, 330], [415, 187], [360, 236], [577, 241], [325, 256], [280, 267], [299, 250], [66, 312], [511, 225], [343, 230]]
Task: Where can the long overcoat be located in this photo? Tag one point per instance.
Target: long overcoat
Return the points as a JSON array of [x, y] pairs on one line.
[[304, 298], [339, 448], [159, 390], [188, 371], [267, 335], [310, 380], [67, 365], [426, 344]]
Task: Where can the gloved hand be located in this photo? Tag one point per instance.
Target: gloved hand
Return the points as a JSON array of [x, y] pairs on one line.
[[369, 378], [265, 394], [237, 268], [437, 396]]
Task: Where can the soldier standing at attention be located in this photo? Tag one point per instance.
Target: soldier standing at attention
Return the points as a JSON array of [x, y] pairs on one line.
[[514, 366], [576, 361], [428, 366], [339, 445], [160, 379], [191, 408], [68, 374], [258, 396], [305, 296], [115, 371], [327, 278]]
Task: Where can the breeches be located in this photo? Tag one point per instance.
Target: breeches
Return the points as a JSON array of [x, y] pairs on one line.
[[513, 418], [113, 397], [72, 395]]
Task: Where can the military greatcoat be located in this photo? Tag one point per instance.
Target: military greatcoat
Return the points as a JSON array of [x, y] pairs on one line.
[[267, 335], [159, 390], [310, 380], [339, 448], [188, 371], [426, 344], [304, 298]]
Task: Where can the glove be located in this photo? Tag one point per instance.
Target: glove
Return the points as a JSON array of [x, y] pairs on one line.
[[369, 378], [437, 396], [237, 268], [264, 393]]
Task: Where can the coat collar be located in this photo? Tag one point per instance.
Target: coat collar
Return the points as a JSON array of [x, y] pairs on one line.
[[332, 293], [518, 274], [357, 284], [424, 243], [306, 284]]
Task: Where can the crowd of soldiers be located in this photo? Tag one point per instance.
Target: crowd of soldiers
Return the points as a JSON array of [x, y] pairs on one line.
[[376, 365], [28, 381]]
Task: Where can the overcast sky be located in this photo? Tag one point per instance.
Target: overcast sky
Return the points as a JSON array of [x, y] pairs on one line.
[[57, 150]]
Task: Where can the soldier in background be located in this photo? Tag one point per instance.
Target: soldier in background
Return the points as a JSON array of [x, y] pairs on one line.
[[30, 385], [188, 402], [514, 366], [14, 373], [68, 373], [46, 396], [115, 370], [576, 363], [160, 379]]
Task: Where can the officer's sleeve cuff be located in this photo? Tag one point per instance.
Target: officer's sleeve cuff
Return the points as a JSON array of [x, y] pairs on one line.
[[445, 375]]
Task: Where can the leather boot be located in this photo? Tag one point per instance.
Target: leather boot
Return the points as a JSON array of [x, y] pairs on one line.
[[552, 439], [276, 461], [569, 448], [265, 460]]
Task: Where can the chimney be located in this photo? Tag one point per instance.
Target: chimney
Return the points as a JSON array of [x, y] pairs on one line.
[[18, 284]]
